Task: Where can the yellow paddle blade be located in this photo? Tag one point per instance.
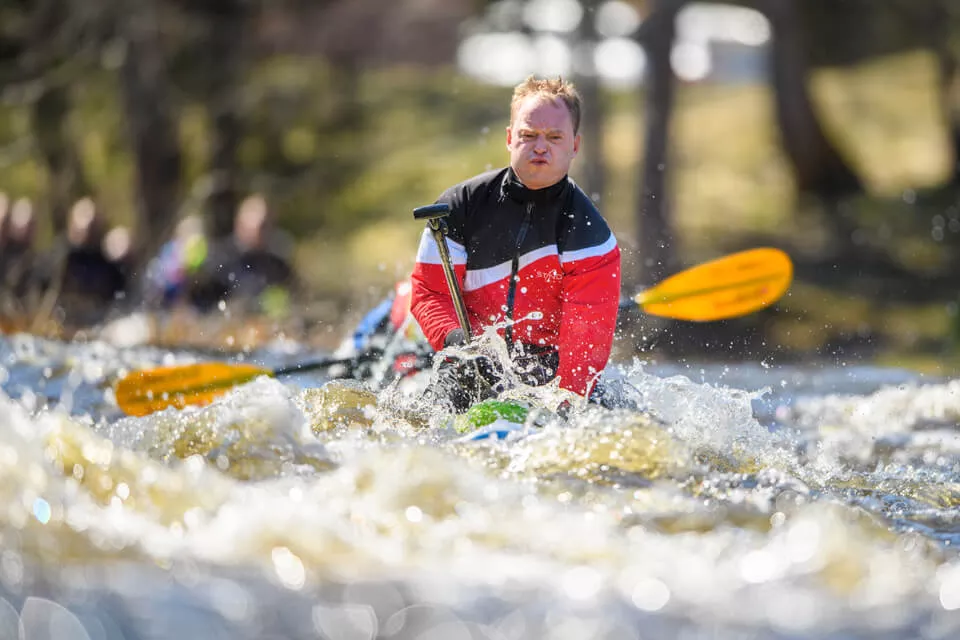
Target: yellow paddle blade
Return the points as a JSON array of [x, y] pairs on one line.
[[727, 287], [143, 392]]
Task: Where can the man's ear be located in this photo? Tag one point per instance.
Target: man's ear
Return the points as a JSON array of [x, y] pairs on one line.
[[509, 136], [576, 144]]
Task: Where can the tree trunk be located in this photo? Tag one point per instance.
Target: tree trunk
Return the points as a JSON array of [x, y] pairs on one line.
[[153, 131], [940, 20], [225, 70], [818, 167], [66, 181], [655, 224], [592, 166], [44, 47]]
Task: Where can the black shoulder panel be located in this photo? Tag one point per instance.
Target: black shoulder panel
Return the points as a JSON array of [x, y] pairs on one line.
[[581, 225]]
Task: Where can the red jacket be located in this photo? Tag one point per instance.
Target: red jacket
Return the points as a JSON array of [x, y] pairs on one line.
[[566, 292]]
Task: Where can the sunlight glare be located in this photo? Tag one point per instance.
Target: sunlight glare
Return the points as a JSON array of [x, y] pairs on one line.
[[616, 19], [559, 16]]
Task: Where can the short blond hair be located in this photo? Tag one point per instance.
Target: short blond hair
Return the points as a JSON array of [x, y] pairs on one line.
[[553, 88]]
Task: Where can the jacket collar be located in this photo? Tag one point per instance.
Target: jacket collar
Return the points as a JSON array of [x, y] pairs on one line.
[[512, 188]]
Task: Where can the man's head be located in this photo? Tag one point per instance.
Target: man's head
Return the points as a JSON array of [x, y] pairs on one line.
[[251, 222], [21, 224], [543, 136], [84, 224], [4, 205]]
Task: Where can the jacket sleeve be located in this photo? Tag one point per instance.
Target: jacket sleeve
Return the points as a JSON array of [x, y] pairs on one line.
[[591, 299], [430, 300]]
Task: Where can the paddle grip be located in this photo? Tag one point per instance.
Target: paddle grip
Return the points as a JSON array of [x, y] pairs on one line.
[[432, 211]]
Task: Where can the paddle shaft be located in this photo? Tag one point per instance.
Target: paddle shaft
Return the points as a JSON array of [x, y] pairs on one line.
[[459, 306], [325, 363]]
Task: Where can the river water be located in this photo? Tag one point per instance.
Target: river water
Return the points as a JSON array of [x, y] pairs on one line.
[[743, 501]]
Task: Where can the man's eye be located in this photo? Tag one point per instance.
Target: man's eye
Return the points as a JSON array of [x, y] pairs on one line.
[[527, 136], [556, 137]]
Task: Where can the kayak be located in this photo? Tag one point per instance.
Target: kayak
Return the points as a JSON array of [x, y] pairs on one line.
[[500, 429], [494, 420], [343, 403]]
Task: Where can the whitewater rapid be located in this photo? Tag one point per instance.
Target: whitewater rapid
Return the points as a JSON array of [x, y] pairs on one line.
[[740, 501]]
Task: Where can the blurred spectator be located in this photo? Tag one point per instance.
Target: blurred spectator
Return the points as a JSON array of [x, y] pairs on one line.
[[89, 271], [171, 274], [253, 265], [17, 254], [116, 246]]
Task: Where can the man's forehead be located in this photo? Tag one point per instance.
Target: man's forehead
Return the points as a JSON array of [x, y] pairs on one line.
[[542, 111]]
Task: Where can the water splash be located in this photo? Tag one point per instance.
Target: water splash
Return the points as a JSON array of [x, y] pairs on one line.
[[351, 513]]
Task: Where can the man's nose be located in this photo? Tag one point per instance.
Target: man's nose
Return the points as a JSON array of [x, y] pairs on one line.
[[540, 146]]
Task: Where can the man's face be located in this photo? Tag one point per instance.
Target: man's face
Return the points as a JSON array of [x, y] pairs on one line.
[[541, 141]]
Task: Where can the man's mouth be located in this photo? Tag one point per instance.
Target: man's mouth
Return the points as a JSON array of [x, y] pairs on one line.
[[538, 161]]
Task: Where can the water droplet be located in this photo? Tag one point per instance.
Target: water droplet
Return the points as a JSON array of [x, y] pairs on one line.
[[650, 595], [582, 583], [41, 510], [289, 568]]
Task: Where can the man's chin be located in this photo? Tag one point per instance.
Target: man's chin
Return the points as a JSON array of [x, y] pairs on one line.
[[538, 177]]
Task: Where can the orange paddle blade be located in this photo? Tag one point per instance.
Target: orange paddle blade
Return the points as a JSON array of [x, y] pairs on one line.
[[143, 392], [727, 287]]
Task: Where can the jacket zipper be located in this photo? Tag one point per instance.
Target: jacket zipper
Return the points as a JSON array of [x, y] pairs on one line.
[[514, 276]]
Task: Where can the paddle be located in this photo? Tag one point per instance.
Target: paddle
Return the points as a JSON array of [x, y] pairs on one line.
[[727, 287], [143, 392], [731, 286]]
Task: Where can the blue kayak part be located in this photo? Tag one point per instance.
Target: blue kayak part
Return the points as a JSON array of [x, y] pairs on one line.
[[497, 430], [375, 321], [497, 434]]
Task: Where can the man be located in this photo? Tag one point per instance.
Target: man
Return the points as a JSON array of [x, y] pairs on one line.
[[531, 252], [251, 267], [18, 230], [89, 282]]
